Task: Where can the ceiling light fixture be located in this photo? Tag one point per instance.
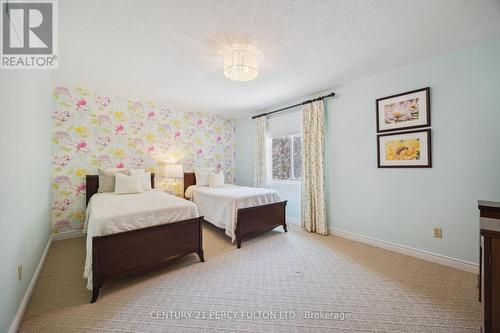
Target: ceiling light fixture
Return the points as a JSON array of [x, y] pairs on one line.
[[240, 63]]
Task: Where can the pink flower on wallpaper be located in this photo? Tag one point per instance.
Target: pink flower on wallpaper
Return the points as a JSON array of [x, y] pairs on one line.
[[211, 121], [199, 152], [138, 141], [151, 149], [119, 165], [199, 122], [62, 160], [177, 135], [62, 90], [218, 139], [103, 100], [61, 205], [81, 104], [137, 162], [104, 119], [80, 188], [151, 115], [166, 127], [62, 116], [62, 136], [103, 141], [137, 125], [119, 129], [81, 146], [104, 159], [137, 105], [62, 225], [61, 180]]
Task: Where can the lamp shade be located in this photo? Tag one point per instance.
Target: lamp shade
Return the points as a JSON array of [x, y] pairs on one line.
[[173, 171], [240, 63]]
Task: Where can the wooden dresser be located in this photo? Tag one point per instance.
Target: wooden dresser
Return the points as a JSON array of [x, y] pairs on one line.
[[489, 264]]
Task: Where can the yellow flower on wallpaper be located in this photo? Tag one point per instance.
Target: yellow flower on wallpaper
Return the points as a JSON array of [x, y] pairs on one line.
[[396, 150], [80, 215], [150, 137], [80, 172], [120, 153], [82, 131], [119, 115], [176, 123]]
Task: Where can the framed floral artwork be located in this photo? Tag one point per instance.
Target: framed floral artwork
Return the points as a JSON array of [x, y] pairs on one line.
[[404, 111], [411, 149]]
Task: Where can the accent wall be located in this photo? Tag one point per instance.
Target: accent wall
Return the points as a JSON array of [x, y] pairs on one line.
[[93, 131]]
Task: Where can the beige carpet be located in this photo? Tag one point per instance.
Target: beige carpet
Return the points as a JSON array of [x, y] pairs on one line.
[[274, 283]]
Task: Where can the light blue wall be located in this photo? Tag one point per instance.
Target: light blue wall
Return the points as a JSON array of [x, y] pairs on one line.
[[25, 172], [404, 205], [244, 140]]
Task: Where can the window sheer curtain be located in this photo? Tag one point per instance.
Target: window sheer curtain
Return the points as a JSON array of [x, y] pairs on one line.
[[260, 168], [313, 210]]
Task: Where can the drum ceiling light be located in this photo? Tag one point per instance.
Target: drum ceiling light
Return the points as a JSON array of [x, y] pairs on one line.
[[240, 63]]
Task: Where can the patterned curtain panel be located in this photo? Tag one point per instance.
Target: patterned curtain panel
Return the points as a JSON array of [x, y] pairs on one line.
[[313, 215], [260, 152]]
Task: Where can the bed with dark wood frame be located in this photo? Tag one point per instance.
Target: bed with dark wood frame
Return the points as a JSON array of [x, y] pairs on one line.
[[252, 221], [140, 250]]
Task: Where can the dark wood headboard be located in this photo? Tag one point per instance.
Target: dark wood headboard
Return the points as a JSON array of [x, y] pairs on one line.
[[92, 185], [189, 179]]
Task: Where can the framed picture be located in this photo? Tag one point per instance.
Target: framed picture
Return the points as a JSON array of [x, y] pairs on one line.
[[404, 111], [410, 149]]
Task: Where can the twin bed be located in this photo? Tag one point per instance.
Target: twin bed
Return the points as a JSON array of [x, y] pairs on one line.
[[241, 211], [131, 233]]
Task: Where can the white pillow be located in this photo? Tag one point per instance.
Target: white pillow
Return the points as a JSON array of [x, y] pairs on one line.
[[136, 171], [189, 192], [128, 184], [201, 175], [215, 179], [107, 178], [145, 178]]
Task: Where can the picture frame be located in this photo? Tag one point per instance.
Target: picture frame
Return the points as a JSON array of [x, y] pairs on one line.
[[404, 111], [410, 149]]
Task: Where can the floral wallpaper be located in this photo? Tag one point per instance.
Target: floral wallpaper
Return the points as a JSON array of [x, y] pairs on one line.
[[93, 131]]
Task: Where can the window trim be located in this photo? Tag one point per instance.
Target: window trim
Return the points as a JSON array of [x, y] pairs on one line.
[[269, 163]]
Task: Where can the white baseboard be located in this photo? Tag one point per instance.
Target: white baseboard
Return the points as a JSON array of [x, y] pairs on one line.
[[425, 255], [67, 234], [292, 220], [14, 326]]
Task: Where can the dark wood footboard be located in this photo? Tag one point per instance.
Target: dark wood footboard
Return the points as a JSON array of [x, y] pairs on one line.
[[143, 249], [258, 219]]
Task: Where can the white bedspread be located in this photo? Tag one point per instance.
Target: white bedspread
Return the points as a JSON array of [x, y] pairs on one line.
[[219, 205], [109, 213]]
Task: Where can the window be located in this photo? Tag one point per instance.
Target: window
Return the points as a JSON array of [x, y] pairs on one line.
[[286, 158]]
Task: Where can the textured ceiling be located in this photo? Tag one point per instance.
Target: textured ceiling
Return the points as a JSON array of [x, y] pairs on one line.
[[169, 51]]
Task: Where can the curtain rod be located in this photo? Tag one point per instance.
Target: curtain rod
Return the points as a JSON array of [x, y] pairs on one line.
[[289, 107]]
